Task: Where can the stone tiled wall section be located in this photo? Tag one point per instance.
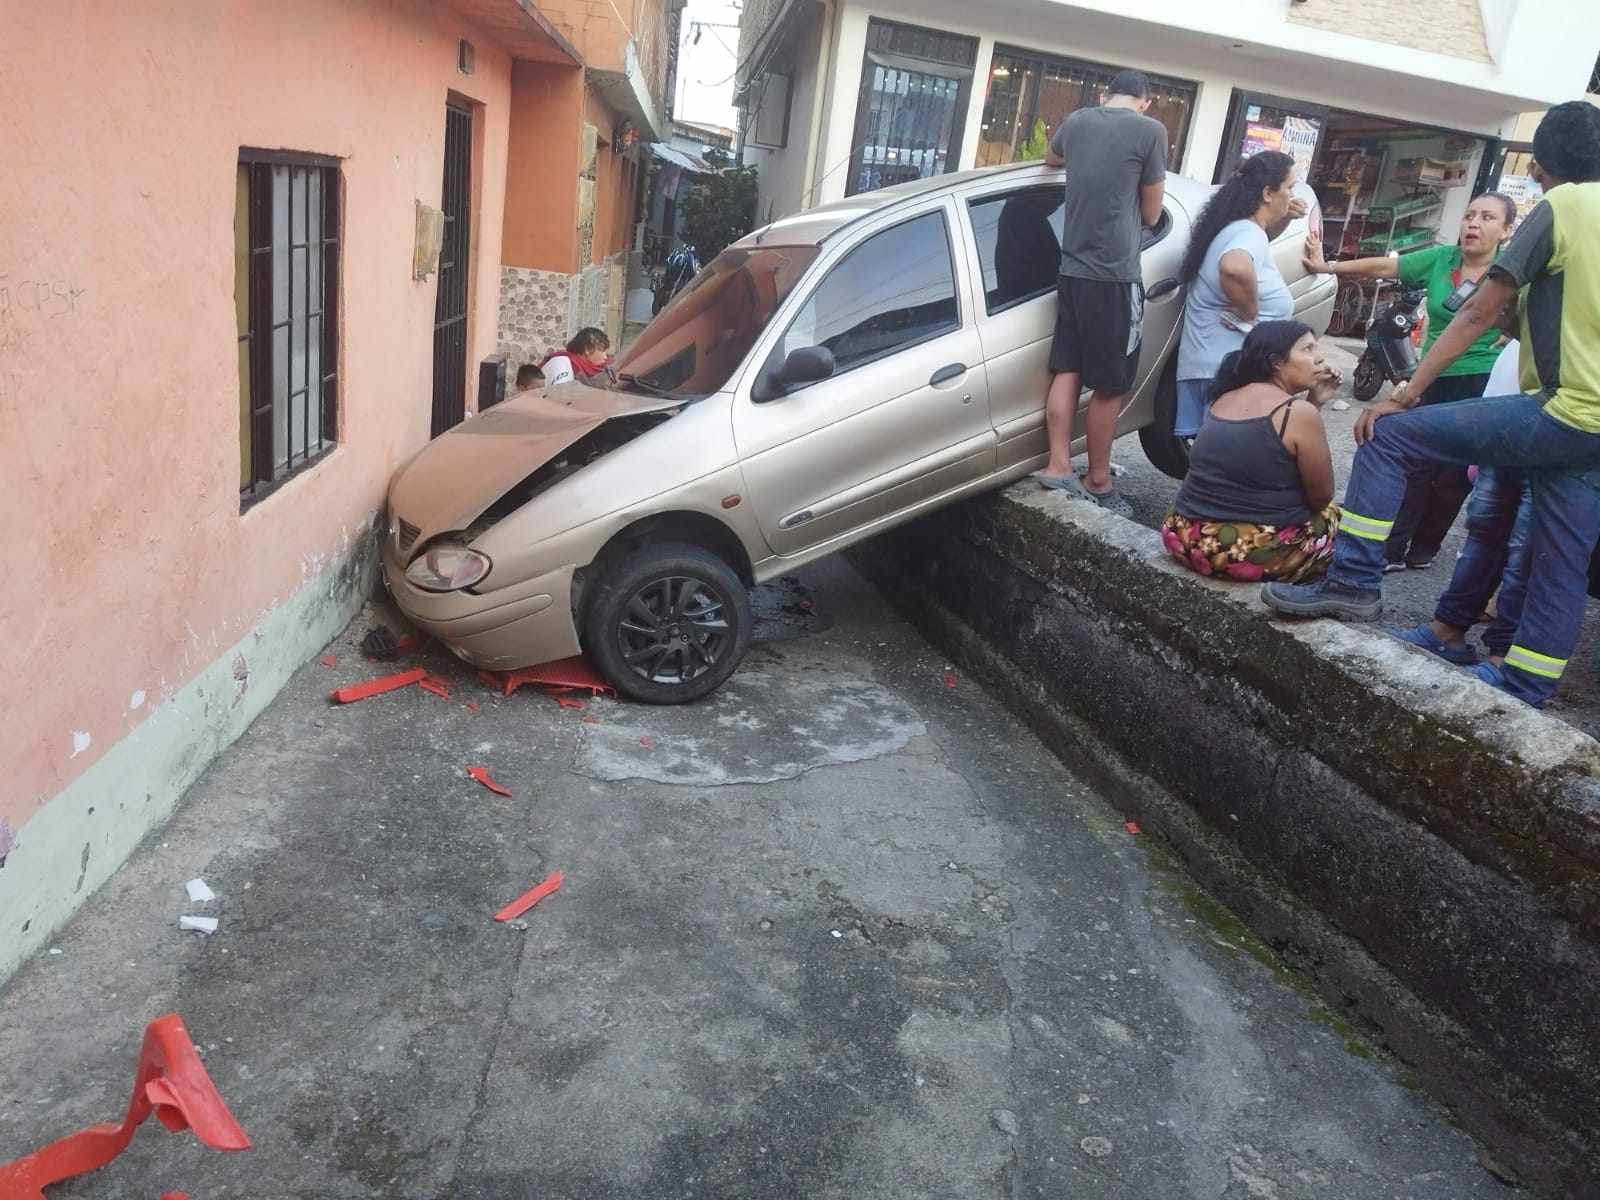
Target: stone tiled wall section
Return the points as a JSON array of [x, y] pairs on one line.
[[534, 314], [541, 310], [1453, 27]]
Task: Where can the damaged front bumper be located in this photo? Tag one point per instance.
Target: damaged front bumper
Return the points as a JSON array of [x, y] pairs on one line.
[[518, 626]]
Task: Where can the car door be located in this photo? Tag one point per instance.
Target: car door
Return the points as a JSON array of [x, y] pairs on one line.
[[903, 417], [1014, 233]]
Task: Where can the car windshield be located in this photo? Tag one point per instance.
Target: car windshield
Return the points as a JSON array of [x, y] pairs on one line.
[[697, 343]]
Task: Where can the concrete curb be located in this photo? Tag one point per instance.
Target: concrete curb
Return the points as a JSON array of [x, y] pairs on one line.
[[1424, 848]]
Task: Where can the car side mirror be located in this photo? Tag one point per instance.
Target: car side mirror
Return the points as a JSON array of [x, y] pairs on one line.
[[805, 365]]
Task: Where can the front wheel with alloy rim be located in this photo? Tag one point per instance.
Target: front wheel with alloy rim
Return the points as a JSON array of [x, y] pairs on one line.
[[668, 624]]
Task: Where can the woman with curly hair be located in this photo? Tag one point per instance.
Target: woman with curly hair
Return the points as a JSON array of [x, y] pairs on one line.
[[1258, 500], [1231, 278]]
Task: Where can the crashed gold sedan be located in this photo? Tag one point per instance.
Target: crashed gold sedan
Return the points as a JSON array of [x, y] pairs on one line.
[[825, 378]]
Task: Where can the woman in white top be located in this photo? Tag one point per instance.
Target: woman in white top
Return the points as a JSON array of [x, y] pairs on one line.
[[1232, 280]]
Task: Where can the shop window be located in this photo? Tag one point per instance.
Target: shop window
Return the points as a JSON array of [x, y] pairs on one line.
[[286, 289], [1030, 95], [913, 102], [894, 291]]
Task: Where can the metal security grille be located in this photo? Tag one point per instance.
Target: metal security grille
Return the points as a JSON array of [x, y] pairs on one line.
[[286, 241], [450, 309], [913, 100]]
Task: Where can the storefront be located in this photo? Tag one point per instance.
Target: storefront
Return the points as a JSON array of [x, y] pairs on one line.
[[1383, 186], [1031, 93]]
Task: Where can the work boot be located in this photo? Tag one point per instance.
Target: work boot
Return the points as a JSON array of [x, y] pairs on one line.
[[1325, 598]]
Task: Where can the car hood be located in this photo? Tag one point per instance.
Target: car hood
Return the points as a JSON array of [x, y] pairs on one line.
[[465, 470]]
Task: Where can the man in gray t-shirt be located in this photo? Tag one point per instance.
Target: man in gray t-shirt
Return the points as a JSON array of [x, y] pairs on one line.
[[1116, 160]]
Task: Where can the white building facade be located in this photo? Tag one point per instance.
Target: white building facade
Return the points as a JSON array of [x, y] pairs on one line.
[[1396, 109]]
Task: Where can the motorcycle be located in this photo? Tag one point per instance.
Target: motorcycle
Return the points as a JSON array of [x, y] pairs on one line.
[[1391, 353], [682, 265]]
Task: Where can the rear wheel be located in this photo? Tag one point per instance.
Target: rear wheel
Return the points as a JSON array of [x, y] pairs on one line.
[[668, 624], [1167, 452], [1368, 378]]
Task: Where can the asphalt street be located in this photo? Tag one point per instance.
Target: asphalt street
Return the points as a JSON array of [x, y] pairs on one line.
[[845, 930]]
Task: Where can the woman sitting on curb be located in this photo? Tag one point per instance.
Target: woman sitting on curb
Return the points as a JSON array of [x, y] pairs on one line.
[[1258, 499]]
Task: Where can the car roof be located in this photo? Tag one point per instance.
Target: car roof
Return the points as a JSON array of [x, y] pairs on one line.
[[816, 225]]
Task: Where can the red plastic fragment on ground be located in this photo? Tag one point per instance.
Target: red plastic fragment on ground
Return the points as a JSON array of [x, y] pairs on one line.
[[565, 672], [481, 774], [529, 898], [170, 1082], [329, 660], [950, 680], [472, 707], [174, 1196], [591, 720], [406, 642], [434, 684], [569, 702], [376, 687], [649, 743], [1132, 827]]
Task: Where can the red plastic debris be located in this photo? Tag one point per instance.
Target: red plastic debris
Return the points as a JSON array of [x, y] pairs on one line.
[[591, 720], [568, 702], [376, 687], [565, 672], [481, 774], [170, 1081], [1132, 827], [174, 1196], [649, 743], [434, 684], [406, 642], [329, 660], [950, 680], [529, 898], [472, 707]]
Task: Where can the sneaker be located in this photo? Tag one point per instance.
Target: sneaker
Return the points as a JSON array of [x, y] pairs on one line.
[[1424, 639], [1389, 568], [1417, 564], [1324, 598]]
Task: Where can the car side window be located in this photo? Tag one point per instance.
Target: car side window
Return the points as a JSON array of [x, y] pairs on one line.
[[894, 290], [1018, 234]]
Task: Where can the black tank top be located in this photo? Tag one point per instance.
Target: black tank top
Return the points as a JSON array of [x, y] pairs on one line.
[[1242, 471]]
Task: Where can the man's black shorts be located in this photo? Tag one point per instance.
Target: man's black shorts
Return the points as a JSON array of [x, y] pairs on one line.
[[1098, 327]]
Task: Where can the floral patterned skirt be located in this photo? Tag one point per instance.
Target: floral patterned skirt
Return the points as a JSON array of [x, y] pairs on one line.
[[1241, 550]]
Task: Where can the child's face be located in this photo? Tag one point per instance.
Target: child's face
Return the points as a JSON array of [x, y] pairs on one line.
[[598, 355]]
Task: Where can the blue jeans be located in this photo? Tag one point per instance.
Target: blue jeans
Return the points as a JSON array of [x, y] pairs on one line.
[[1194, 397], [1499, 518], [1505, 431]]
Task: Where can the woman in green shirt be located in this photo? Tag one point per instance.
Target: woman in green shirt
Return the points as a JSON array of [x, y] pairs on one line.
[[1434, 495]]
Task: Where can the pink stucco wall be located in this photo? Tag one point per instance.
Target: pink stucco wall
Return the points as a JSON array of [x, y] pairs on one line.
[[127, 566]]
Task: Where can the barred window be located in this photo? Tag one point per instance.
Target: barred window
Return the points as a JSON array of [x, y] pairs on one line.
[[286, 292]]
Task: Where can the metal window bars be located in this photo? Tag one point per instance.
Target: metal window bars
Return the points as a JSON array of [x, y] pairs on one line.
[[292, 330]]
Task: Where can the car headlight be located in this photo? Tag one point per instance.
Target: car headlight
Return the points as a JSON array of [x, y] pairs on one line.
[[448, 567]]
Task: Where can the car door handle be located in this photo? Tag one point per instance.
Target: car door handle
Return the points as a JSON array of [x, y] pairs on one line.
[[946, 373], [1161, 289]]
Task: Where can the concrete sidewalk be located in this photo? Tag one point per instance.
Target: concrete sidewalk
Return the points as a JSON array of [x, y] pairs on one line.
[[842, 931], [1408, 596]]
